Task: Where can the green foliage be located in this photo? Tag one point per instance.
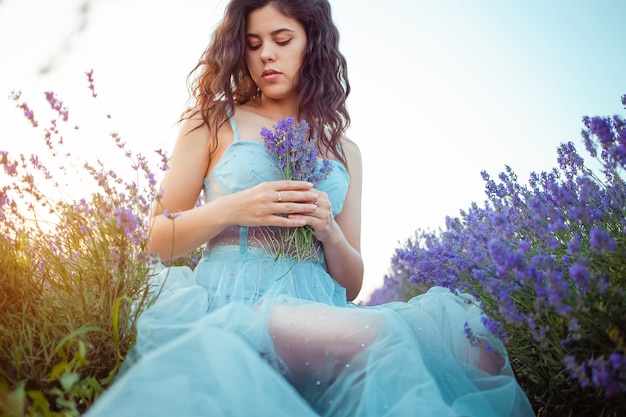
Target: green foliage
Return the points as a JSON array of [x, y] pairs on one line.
[[73, 275]]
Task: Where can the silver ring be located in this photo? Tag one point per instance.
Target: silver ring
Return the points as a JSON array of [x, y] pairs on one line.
[[279, 197]]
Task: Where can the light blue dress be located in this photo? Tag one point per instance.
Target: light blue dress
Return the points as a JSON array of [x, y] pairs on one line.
[[245, 334]]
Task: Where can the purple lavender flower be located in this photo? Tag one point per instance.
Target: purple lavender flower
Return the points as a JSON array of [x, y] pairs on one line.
[[90, 80], [296, 153], [10, 167], [601, 127], [57, 105], [580, 275], [600, 240], [126, 219]]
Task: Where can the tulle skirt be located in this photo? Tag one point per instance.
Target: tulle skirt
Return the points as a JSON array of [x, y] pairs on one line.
[[245, 334]]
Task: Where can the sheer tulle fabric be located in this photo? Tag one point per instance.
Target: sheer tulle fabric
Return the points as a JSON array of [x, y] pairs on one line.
[[272, 348], [246, 334]]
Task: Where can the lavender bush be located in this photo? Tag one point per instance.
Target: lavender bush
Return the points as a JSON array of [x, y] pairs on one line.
[[72, 271], [547, 262]]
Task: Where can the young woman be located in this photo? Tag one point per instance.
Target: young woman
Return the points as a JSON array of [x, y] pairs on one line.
[[251, 333]]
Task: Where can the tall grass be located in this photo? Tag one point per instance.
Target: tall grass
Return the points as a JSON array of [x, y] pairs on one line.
[[73, 271]]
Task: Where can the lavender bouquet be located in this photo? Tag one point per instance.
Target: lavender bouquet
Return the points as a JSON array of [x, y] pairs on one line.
[[296, 154]]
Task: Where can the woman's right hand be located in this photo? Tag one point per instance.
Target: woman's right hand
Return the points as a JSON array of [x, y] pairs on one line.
[[269, 204]]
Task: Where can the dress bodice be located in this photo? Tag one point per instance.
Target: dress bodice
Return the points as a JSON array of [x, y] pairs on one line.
[[246, 163]]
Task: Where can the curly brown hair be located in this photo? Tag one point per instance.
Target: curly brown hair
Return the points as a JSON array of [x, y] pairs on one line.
[[221, 78]]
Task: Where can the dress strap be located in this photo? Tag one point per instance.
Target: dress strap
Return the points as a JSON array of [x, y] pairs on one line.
[[234, 126]]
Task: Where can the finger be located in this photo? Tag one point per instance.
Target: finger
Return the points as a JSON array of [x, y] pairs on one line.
[[322, 202], [294, 208], [291, 185], [301, 218], [283, 196], [288, 221], [312, 213], [322, 198]]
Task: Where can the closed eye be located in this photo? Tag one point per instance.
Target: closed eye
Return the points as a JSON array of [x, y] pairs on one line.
[[254, 40], [256, 47]]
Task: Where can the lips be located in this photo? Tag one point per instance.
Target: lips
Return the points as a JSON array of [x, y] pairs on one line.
[[269, 72]]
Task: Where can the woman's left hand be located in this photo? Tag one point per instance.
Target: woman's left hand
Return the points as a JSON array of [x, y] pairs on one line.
[[321, 220]]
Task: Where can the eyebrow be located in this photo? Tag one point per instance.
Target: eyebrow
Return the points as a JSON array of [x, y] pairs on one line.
[[276, 32]]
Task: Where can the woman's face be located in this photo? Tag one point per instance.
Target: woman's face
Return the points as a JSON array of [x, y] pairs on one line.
[[275, 47]]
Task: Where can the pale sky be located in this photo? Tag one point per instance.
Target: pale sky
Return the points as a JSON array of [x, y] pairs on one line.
[[442, 89]]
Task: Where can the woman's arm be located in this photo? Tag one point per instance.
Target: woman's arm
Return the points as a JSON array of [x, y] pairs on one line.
[[178, 226], [341, 235], [343, 252]]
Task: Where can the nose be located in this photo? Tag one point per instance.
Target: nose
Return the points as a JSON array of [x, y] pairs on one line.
[[268, 52]]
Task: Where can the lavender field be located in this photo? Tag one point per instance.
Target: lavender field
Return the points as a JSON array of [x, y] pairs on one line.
[[546, 260]]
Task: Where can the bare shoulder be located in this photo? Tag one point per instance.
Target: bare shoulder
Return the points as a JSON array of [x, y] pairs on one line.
[[196, 136], [351, 151], [349, 145], [193, 146], [193, 127]]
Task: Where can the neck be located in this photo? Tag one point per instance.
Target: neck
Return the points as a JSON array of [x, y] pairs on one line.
[[278, 109]]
